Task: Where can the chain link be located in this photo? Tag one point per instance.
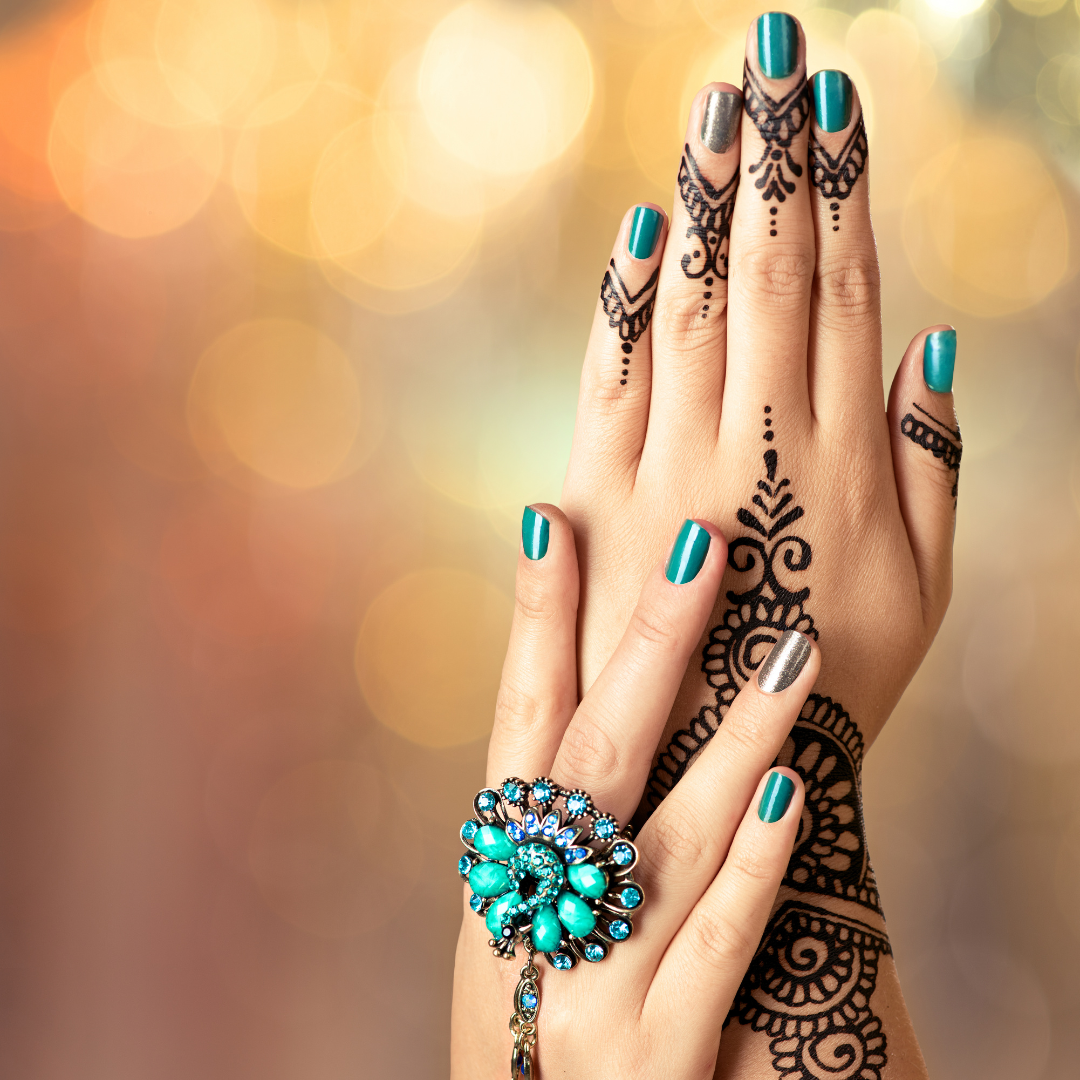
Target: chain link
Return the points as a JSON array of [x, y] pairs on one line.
[[524, 1030]]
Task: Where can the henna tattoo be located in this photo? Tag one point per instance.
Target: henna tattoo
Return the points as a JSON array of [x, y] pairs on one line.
[[835, 177], [630, 314], [778, 122], [809, 987], [709, 210], [810, 984], [923, 433]]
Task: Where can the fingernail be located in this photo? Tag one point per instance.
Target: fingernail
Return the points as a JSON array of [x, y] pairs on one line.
[[832, 100], [777, 44], [938, 360], [534, 534], [786, 659], [776, 797], [688, 554], [644, 231], [720, 123]]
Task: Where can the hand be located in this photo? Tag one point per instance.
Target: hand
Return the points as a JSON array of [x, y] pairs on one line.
[[734, 372], [710, 859]]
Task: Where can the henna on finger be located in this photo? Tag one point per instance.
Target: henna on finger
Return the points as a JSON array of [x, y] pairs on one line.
[[629, 313], [936, 436], [710, 210]]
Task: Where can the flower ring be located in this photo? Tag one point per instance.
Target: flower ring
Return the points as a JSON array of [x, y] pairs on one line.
[[547, 869]]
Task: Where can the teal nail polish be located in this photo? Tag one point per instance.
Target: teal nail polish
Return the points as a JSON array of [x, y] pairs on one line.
[[688, 554], [832, 100], [777, 44], [938, 360], [535, 530], [644, 231], [776, 797]]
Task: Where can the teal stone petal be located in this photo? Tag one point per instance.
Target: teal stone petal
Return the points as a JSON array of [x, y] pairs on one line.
[[493, 842], [575, 914], [497, 910], [546, 929], [589, 880], [489, 879]]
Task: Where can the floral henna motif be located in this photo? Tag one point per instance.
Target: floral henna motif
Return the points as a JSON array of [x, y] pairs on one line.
[[631, 315], [835, 177], [928, 433], [778, 122], [809, 987], [709, 210]]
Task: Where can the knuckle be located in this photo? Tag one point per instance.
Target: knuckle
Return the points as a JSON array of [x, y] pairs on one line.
[[533, 603], [517, 709], [777, 274], [587, 753], [750, 865], [674, 841], [717, 940], [654, 628], [850, 285], [679, 325]]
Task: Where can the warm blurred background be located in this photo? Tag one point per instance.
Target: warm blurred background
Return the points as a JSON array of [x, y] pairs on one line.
[[293, 297]]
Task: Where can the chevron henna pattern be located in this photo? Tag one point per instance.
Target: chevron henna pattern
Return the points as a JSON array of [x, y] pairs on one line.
[[836, 177], [932, 434], [629, 313], [709, 209], [778, 122]]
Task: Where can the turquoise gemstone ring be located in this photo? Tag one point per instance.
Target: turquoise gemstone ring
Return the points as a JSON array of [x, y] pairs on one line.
[[549, 871]]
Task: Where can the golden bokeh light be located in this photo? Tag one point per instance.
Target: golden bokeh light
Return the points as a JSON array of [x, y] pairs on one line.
[[330, 844], [282, 396], [429, 655], [278, 155], [985, 229], [126, 174], [1038, 7], [505, 87], [955, 9]]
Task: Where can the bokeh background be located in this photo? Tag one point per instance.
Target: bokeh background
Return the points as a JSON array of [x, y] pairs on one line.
[[293, 298]]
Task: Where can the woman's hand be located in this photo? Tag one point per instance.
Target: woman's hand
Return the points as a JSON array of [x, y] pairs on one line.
[[710, 859]]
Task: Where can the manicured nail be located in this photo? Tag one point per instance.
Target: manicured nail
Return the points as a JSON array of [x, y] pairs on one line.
[[776, 797], [938, 360], [777, 44], [534, 533], [644, 231], [785, 660], [688, 554], [832, 100], [720, 123]]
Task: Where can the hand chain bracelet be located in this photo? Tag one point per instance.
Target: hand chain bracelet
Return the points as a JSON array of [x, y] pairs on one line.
[[547, 870]]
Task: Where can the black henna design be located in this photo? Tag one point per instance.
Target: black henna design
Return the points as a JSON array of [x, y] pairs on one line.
[[835, 177], [924, 433], [809, 986], [709, 210], [778, 122], [625, 312]]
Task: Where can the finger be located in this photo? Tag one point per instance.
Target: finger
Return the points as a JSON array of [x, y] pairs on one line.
[[926, 449], [707, 960], [690, 327], [538, 692], [613, 405], [684, 843], [772, 234], [609, 743], [845, 323]]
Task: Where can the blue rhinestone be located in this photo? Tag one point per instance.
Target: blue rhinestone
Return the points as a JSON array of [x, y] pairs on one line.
[[551, 824], [630, 897], [468, 830], [542, 791], [486, 800], [532, 822], [576, 855], [512, 792], [623, 854], [476, 902], [566, 837], [604, 828], [563, 962], [576, 804], [515, 832], [619, 929], [528, 1001], [465, 864], [595, 952]]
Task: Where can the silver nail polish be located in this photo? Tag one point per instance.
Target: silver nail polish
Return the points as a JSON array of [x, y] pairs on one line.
[[783, 664], [720, 122]]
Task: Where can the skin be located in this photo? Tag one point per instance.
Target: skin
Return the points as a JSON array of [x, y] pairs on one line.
[[709, 867], [797, 327]]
